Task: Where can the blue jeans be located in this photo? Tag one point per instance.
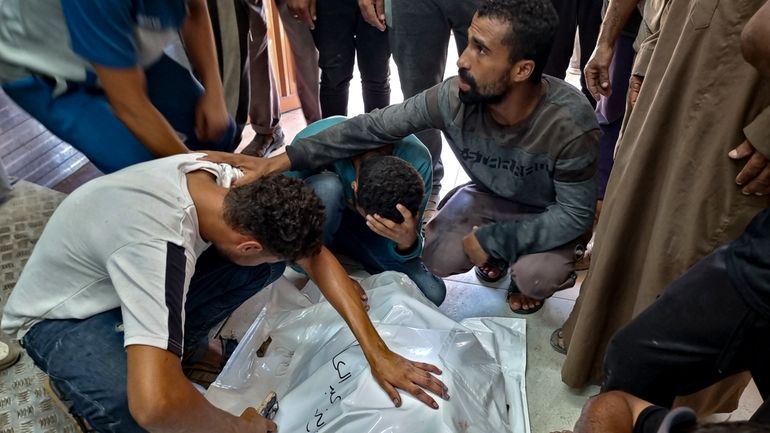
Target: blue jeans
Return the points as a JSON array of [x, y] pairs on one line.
[[83, 118], [346, 232], [86, 361]]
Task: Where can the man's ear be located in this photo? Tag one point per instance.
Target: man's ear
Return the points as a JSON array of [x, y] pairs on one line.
[[249, 246], [522, 70]]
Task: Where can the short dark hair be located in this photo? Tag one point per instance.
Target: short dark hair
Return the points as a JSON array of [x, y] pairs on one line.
[[728, 427], [533, 25], [280, 212], [385, 181]]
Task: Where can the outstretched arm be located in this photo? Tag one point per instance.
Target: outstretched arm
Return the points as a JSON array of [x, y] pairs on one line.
[[389, 369]]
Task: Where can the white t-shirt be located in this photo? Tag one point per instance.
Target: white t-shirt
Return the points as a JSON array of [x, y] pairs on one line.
[[128, 240]]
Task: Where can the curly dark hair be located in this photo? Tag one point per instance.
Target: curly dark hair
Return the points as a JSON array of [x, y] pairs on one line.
[[280, 212], [385, 181], [533, 25]]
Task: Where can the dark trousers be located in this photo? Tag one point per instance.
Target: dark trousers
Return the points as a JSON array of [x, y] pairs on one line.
[[698, 332], [83, 117], [86, 361], [419, 31], [341, 35], [610, 111], [585, 16]]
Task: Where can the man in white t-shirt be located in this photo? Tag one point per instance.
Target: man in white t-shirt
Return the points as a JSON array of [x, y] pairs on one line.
[[126, 261]]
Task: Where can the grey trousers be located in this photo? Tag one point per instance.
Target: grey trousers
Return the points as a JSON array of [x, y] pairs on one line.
[[537, 275], [264, 106], [418, 32]]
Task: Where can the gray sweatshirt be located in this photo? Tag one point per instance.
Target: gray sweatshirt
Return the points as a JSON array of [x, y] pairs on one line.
[[546, 163]]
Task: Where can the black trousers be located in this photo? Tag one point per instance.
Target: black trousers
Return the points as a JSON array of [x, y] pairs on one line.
[[585, 17], [698, 332], [342, 36]]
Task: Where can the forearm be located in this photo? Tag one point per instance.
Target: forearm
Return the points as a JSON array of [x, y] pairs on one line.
[[192, 413], [161, 399], [365, 132], [565, 221], [340, 292], [150, 127], [126, 91], [408, 252], [198, 39], [757, 132], [616, 17]]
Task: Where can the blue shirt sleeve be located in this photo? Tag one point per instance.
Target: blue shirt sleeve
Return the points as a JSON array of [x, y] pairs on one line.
[[102, 31]]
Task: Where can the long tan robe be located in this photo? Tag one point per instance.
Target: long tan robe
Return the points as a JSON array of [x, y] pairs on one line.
[[672, 197]]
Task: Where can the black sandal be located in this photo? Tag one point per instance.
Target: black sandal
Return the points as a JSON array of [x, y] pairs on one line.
[[513, 289], [498, 264], [556, 344]]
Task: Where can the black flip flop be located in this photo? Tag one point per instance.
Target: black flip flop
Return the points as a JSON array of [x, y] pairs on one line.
[[514, 290], [555, 342], [499, 264]]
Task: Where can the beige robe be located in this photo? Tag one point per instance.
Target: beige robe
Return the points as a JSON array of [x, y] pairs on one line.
[[672, 197]]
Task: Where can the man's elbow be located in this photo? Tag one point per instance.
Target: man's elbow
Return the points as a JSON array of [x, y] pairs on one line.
[[754, 45], [154, 412], [583, 220]]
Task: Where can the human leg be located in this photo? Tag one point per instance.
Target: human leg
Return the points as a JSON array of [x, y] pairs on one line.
[[86, 362], [264, 110], [699, 331], [610, 111], [464, 208], [418, 35], [373, 54], [230, 23], [218, 287], [334, 35], [328, 187], [564, 39], [83, 119], [443, 250], [535, 277], [175, 92], [459, 14], [589, 19], [305, 56], [375, 253]]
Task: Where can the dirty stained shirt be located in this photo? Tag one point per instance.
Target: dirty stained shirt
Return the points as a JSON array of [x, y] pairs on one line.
[[545, 163]]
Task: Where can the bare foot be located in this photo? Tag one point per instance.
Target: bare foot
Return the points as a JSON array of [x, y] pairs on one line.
[[492, 272], [519, 301]]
